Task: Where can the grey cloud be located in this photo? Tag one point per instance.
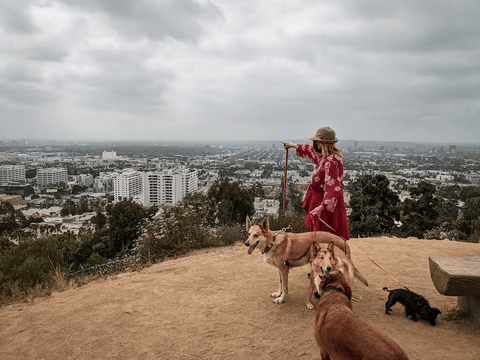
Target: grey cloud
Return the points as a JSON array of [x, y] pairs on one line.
[[392, 70], [121, 81], [25, 95], [178, 19], [49, 51], [21, 72], [411, 25], [15, 17]]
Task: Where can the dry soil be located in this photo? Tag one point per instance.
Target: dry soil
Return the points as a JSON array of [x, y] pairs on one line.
[[215, 304]]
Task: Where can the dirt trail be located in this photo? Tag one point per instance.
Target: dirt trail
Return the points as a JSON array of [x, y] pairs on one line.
[[215, 304]]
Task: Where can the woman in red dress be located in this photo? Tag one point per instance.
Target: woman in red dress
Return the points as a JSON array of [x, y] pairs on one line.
[[324, 203]]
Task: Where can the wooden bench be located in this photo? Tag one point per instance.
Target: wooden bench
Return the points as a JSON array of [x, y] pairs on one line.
[[458, 276]]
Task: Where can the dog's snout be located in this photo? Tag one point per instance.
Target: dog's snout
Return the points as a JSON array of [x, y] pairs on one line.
[[329, 268]]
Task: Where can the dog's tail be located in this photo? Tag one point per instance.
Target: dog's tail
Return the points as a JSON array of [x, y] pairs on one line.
[[386, 289], [359, 276]]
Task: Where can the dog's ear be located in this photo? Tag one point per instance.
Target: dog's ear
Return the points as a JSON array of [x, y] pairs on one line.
[[314, 249], [340, 265], [264, 224], [331, 247], [248, 223]]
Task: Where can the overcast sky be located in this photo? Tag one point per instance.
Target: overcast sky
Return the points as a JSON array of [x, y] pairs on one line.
[[383, 70]]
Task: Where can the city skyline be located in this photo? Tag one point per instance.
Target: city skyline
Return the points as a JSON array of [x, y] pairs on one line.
[[223, 70]]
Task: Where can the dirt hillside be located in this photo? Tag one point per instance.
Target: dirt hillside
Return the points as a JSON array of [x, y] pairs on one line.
[[215, 304]]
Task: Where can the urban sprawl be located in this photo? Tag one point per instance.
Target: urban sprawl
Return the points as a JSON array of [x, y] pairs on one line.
[[40, 178]]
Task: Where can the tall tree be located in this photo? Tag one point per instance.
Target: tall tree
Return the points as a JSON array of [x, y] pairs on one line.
[[471, 215], [469, 192], [419, 213], [233, 202], [7, 217], [257, 190], [374, 206], [100, 220], [125, 222], [447, 212]]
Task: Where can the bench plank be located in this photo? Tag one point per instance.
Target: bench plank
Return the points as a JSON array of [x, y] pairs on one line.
[[456, 275]]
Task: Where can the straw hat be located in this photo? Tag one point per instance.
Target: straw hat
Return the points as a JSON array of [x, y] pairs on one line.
[[325, 135]]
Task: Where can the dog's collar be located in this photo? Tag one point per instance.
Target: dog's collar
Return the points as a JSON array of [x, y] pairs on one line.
[[268, 247], [331, 289]]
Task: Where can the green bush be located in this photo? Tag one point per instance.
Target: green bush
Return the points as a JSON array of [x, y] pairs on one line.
[[184, 228], [228, 235], [294, 219], [177, 232], [95, 259], [28, 264], [440, 233]]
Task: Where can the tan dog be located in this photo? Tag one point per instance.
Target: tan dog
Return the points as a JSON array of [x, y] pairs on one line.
[[324, 259], [339, 333], [289, 248]]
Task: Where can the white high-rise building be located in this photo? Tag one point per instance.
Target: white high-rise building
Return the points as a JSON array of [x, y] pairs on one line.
[[109, 155], [168, 187], [10, 173], [51, 176], [128, 184]]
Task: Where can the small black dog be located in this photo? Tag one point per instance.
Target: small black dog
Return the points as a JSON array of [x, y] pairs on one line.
[[414, 304]]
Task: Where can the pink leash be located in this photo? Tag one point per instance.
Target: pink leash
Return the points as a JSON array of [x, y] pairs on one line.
[[360, 251]]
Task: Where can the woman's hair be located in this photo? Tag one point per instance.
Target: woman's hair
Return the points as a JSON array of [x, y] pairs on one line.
[[329, 149]]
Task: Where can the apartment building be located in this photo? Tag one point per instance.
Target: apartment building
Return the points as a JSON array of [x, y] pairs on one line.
[[51, 176], [83, 179], [109, 155], [12, 173], [168, 187], [128, 184], [105, 182]]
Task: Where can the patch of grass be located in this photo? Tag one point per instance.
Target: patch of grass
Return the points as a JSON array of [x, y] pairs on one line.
[[460, 316], [56, 281], [456, 314]]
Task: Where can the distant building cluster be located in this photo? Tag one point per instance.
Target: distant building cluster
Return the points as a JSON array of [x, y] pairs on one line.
[[162, 175], [161, 187]]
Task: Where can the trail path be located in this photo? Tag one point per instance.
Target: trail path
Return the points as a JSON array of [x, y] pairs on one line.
[[215, 304]]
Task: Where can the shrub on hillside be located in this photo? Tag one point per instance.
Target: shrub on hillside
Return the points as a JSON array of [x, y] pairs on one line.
[[186, 227], [98, 243], [440, 233], [95, 259], [228, 235], [28, 264], [292, 222], [177, 231]]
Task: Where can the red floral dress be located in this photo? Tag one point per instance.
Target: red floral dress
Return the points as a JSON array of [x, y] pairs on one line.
[[325, 194]]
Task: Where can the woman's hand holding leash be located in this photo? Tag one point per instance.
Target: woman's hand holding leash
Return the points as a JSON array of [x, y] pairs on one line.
[[317, 211]]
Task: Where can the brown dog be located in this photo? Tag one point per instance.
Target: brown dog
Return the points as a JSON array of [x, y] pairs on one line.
[[339, 333], [324, 259], [286, 250]]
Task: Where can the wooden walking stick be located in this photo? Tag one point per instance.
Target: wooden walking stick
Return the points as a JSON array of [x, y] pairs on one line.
[[285, 183]]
